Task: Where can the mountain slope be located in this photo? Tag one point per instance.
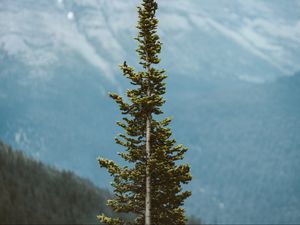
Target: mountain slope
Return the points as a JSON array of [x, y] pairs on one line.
[[244, 150], [201, 37], [32, 193]]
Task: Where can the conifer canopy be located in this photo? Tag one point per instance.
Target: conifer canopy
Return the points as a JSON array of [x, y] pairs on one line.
[[165, 174]]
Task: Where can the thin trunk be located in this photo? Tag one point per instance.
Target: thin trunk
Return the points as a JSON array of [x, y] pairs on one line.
[[148, 176]]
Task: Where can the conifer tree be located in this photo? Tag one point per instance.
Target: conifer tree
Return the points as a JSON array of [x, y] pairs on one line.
[[150, 187]]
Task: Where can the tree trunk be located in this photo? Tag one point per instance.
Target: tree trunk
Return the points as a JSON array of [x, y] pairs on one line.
[[148, 176]]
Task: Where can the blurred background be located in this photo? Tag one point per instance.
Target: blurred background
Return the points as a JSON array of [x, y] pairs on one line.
[[233, 91]]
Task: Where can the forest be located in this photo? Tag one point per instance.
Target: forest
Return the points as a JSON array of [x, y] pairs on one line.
[[35, 193]]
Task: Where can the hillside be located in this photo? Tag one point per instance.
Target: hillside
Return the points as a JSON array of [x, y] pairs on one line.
[[244, 150], [32, 193]]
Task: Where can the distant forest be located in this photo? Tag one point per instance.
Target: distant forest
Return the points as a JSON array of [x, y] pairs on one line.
[[33, 193]]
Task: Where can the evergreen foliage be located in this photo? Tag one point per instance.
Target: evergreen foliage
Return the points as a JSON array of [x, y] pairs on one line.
[[159, 158], [32, 193]]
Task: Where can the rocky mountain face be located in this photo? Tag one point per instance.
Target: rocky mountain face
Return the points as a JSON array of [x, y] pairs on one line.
[[233, 90]]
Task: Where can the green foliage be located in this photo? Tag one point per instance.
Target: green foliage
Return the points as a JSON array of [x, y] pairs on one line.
[[146, 99], [32, 193]]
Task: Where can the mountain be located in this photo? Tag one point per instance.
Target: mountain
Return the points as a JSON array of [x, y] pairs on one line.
[[233, 89], [244, 142]]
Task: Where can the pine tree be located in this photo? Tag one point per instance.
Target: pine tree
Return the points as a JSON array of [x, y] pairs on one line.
[[151, 187]]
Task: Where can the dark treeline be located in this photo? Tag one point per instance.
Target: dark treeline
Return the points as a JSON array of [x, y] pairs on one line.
[[33, 193]]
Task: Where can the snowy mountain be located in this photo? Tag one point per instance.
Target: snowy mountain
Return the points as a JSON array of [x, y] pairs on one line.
[[233, 89], [203, 36]]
